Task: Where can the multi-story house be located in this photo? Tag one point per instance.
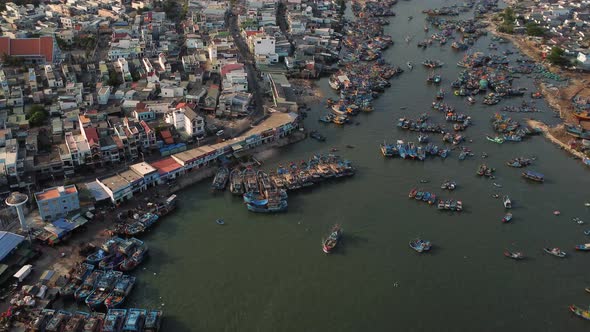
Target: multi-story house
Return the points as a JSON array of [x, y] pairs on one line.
[[57, 202]]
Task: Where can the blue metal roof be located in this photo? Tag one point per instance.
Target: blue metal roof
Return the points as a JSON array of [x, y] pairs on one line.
[[9, 241]]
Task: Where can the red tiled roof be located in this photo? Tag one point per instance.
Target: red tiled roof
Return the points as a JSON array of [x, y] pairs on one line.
[[231, 67], [167, 137], [91, 135], [145, 126], [166, 165], [42, 46], [252, 32]]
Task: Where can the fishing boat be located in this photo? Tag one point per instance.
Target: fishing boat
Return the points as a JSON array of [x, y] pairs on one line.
[[413, 193], [76, 321], [153, 321], [135, 320], [582, 116], [555, 252], [333, 239], [534, 176], [507, 217], [471, 100], [422, 138], [584, 314], [114, 320], [268, 208], [317, 136], [102, 290], [519, 162], [220, 180], [58, 321], [94, 323], [449, 185], [583, 247], [410, 65], [420, 245], [122, 288], [236, 182], [441, 204], [432, 199], [87, 286], [497, 139], [251, 180], [137, 256], [507, 202], [459, 206], [82, 271], [440, 95], [587, 289], [514, 255]]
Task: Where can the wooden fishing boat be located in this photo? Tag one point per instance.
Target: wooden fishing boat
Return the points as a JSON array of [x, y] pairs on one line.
[[514, 255], [135, 320], [103, 288], [58, 321], [122, 288], [153, 321], [220, 180], [87, 286], [582, 116], [114, 320], [76, 322], [333, 239], [413, 193], [555, 252], [135, 258], [236, 182], [584, 314], [420, 245], [534, 176], [583, 247], [94, 322]]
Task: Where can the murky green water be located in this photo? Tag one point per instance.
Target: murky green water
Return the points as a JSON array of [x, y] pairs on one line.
[[268, 273]]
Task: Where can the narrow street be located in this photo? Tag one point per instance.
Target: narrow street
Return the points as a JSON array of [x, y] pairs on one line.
[[232, 23]]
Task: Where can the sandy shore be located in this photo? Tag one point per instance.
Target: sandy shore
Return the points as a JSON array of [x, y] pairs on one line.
[[554, 134]]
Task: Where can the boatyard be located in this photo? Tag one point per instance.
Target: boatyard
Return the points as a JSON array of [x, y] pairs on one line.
[[406, 167]]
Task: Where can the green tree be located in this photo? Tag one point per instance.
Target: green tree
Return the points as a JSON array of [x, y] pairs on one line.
[[114, 78], [34, 109], [37, 118], [533, 29], [557, 57]]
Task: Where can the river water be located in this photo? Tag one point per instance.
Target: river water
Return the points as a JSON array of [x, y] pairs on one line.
[[268, 272]]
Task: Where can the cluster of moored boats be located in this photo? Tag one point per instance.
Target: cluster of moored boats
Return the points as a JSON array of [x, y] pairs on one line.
[[141, 222], [99, 282], [485, 170], [267, 192], [431, 199], [411, 150], [115, 320]]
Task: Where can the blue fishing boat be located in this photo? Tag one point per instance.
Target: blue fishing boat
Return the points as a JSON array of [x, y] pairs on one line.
[[412, 151], [153, 321], [280, 207], [76, 322], [426, 196], [114, 320], [420, 245], [432, 199], [135, 320], [388, 150], [402, 149], [103, 288], [444, 153], [87, 286], [255, 198], [507, 217], [419, 195], [122, 288], [534, 176], [583, 247], [58, 321], [82, 271], [112, 261]]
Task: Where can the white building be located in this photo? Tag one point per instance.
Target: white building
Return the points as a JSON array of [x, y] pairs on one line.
[[184, 119], [103, 95]]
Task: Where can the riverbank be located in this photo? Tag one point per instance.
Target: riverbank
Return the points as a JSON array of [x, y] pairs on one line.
[[558, 98], [555, 135]]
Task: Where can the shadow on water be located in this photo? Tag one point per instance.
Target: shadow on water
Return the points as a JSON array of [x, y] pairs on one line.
[[174, 324]]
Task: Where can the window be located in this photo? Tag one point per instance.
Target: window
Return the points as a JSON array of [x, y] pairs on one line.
[[259, 42]]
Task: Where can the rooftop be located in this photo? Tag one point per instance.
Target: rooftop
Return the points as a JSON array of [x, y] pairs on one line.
[[166, 165], [142, 168], [55, 192]]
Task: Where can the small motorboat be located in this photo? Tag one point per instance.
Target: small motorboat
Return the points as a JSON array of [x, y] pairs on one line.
[[585, 314], [497, 185], [587, 289], [507, 202], [583, 247], [514, 255], [420, 245], [507, 217], [410, 65], [555, 252], [220, 222]]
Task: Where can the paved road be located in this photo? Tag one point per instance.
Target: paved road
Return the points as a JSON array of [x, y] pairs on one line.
[[231, 21]]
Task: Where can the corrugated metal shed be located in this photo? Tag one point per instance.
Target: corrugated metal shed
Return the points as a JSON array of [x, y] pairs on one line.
[[9, 241]]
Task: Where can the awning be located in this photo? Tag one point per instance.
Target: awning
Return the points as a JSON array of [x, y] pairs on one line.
[[97, 191]]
